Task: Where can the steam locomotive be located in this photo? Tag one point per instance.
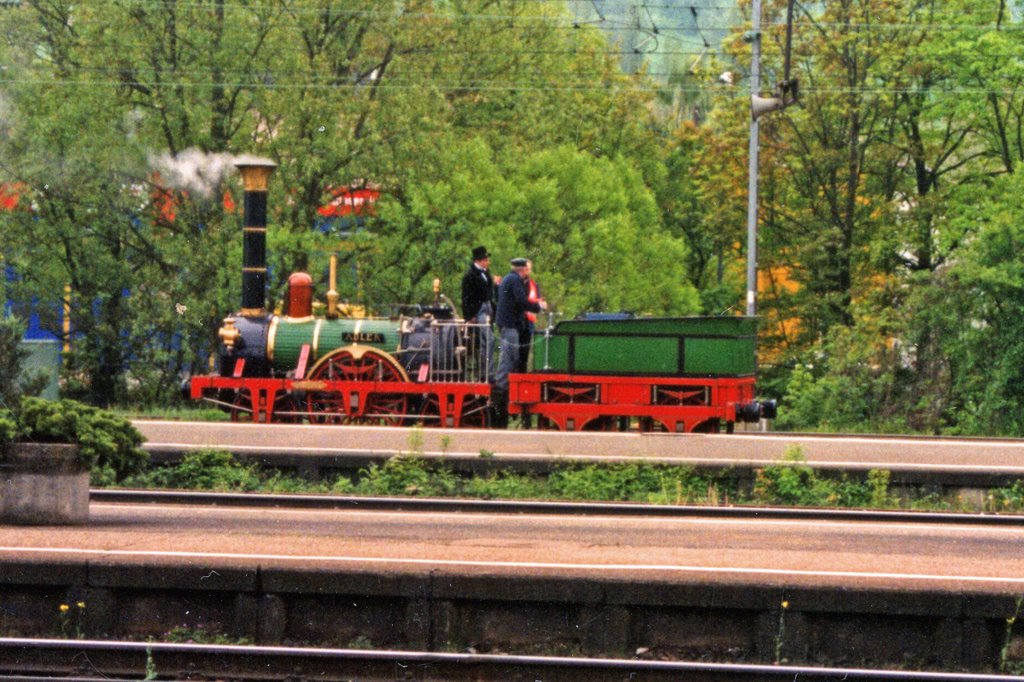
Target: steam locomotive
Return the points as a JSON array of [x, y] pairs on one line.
[[603, 372]]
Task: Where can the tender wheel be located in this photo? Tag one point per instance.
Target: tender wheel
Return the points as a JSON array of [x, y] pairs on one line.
[[707, 426], [652, 425], [601, 424], [545, 424]]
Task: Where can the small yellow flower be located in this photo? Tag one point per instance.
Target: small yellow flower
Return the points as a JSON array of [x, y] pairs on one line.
[[80, 604], [64, 608], [785, 604]]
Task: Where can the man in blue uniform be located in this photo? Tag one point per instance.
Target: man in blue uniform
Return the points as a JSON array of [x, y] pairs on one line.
[[513, 303]]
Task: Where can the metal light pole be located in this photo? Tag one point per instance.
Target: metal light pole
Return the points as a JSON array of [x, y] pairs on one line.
[[786, 93], [755, 89]]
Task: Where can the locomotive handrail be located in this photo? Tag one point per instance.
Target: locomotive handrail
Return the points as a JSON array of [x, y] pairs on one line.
[[449, 357], [547, 335]]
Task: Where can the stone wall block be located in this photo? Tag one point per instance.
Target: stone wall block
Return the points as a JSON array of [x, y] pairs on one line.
[[43, 484]]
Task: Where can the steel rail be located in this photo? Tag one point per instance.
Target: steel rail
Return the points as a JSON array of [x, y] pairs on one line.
[[909, 437], [624, 509], [23, 656]]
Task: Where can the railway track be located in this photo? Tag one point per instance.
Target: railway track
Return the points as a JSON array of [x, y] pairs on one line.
[[111, 660], [410, 504]]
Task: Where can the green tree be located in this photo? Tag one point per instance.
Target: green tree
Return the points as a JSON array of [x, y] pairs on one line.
[[122, 117], [973, 309], [905, 119], [589, 223], [704, 202], [84, 125]]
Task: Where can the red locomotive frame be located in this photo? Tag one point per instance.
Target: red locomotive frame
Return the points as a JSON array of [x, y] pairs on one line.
[[599, 402], [387, 403], [559, 401]]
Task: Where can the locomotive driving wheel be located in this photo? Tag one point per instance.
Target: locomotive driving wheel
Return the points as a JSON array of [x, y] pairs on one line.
[[241, 406], [476, 412], [285, 408], [358, 405], [428, 409]]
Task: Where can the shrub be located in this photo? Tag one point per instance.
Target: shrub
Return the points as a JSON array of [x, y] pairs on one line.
[[207, 469], [8, 427], [1007, 499], [110, 445], [407, 475], [628, 482], [794, 483], [505, 485]]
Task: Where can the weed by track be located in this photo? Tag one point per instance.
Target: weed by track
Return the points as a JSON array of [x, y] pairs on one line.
[[791, 482]]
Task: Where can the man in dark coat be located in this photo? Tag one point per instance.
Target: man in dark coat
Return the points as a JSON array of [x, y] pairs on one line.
[[478, 304], [513, 302]]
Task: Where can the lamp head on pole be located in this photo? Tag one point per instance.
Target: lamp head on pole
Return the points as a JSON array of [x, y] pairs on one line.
[[255, 172], [786, 94]]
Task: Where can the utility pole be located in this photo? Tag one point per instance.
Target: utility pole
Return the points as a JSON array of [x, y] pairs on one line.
[[786, 93], [755, 89]]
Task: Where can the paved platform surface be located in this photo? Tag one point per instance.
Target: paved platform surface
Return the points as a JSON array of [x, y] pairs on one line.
[[948, 456], [878, 594], [779, 553]]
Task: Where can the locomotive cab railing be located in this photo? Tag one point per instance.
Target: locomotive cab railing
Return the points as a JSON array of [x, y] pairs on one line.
[[446, 351]]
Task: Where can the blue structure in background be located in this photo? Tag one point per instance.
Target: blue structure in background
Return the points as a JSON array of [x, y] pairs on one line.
[[35, 331], [43, 346], [30, 314]]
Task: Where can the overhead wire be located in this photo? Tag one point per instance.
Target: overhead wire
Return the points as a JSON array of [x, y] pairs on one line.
[[494, 86], [561, 22], [250, 6], [573, 24]]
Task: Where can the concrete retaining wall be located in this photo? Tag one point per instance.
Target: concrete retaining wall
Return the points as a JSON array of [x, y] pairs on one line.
[[435, 612], [43, 484]]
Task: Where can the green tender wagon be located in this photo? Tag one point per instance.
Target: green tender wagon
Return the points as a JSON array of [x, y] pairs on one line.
[[655, 346]]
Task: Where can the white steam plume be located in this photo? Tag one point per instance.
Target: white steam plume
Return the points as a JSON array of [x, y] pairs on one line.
[[193, 170]]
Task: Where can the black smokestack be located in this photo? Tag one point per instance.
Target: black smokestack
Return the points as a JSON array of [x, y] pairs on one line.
[[255, 176]]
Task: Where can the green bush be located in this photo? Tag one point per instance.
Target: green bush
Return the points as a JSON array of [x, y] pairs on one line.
[[203, 470], [880, 494], [1007, 499], [14, 381], [407, 475], [110, 445], [218, 470], [8, 427], [852, 383], [794, 483], [633, 482], [12, 355], [506, 485], [617, 482]]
